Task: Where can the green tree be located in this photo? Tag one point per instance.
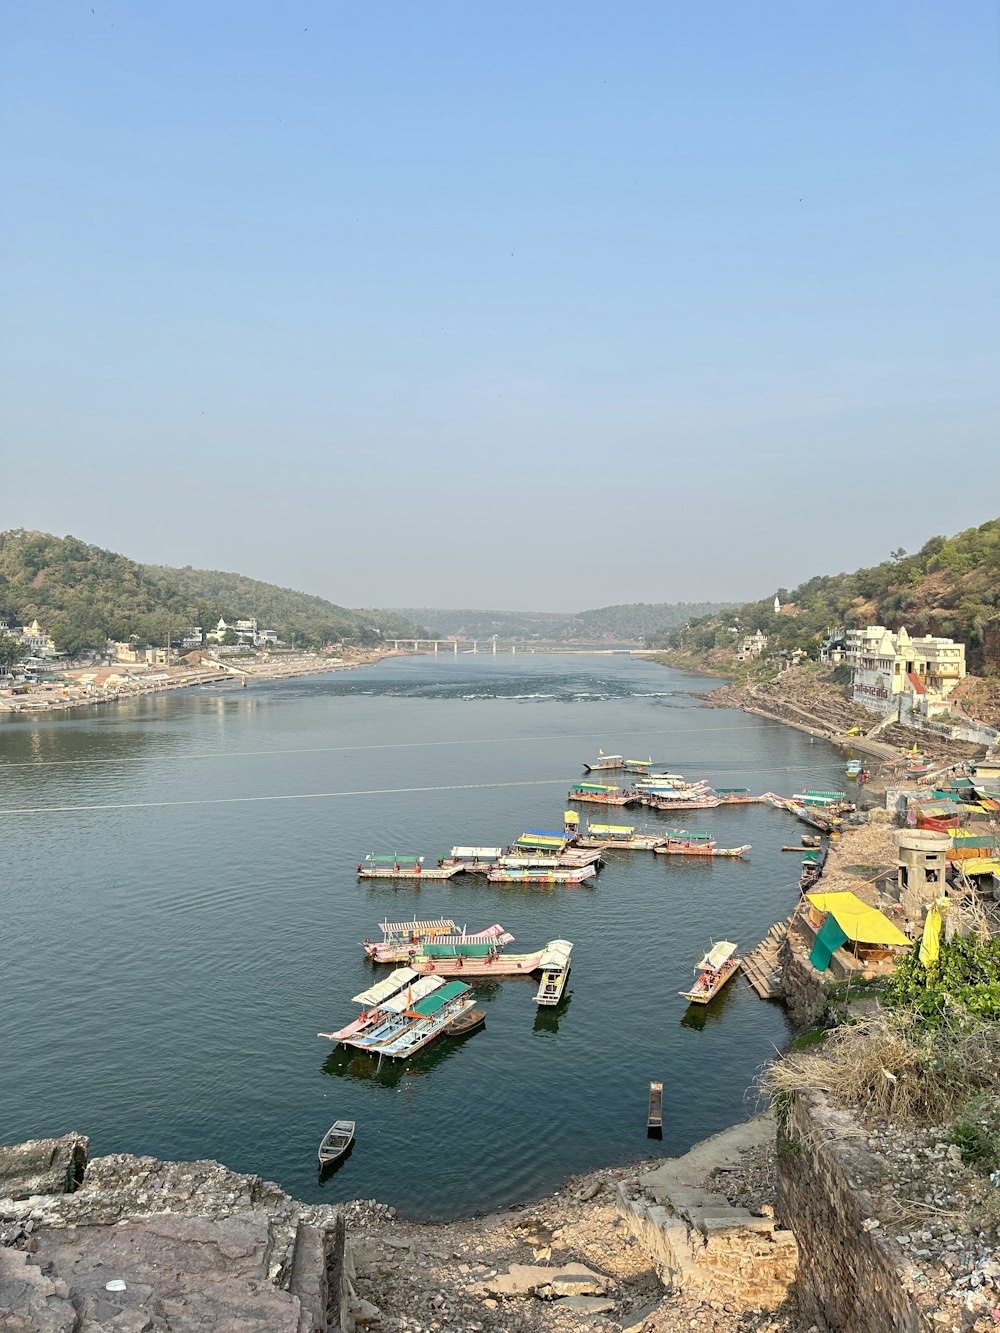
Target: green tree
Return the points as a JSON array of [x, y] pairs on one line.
[[11, 650]]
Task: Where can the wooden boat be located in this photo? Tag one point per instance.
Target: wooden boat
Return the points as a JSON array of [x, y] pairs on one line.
[[417, 1023], [605, 761], [623, 836], [654, 1116], [736, 796], [655, 802], [701, 848], [556, 875], [555, 972], [600, 794], [336, 1141], [462, 964], [718, 966], [638, 765], [494, 936], [569, 859], [399, 937], [402, 867], [537, 841], [470, 1021], [385, 1000]]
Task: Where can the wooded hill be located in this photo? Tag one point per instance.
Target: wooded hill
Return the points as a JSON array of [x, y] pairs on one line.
[[634, 622], [82, 595], [951, 587]]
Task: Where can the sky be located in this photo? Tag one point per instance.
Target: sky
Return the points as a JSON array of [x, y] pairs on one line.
[[519, 305]]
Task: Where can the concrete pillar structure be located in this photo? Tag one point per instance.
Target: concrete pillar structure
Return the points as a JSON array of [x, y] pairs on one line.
[[921, 863]]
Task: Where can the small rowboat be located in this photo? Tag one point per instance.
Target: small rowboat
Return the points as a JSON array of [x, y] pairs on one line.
[[654, 1117], [466, 1023], [336, 1141]]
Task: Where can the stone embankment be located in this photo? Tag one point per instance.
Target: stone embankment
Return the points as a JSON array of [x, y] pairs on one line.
[[811, 701]]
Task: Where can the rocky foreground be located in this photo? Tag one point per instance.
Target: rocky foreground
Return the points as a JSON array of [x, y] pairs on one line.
[[140, 1245]]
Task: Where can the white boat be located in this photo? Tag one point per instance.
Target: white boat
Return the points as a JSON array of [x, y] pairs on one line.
[[717, 967], [604, 761], [555, 971]]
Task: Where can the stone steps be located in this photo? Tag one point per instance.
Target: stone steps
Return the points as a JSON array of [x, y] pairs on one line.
[[762, 966]]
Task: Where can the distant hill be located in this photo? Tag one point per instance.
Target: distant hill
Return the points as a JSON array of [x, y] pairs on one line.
[[634, 622], [82, 595], [951, 586], [469, 624]]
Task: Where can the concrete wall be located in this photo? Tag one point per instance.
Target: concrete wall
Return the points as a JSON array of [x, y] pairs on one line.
[[850, 1280]]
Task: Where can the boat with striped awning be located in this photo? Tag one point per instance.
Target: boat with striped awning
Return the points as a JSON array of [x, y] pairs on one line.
[[398, 937]]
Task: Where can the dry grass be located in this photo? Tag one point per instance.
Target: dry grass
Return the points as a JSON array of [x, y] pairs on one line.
[[890, 1069]]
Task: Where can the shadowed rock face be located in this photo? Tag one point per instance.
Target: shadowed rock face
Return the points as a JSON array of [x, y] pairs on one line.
[[196, 1245], [43, 1166]]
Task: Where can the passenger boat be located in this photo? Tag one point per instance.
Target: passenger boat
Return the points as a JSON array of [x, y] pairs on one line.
[[555, 972], [570, 858], [398, 937], [853, 768], [700, 847], [624, 836], [402, 867], [659, 802], [417, 1024], [736, 796], [638, 765], [336, 1141], [717, 967], [537, 840], [558, 875], [384, 1000], [604, 761], [465, 960], [813, 862], [601, 794]]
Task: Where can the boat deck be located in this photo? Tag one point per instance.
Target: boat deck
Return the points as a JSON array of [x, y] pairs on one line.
[[410, 872]]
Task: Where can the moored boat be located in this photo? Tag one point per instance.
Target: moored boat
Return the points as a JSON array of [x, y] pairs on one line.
[[570, 858], [661, 802], [398, 937], [384, 1001], [600, 793], [418, 1023], [336, 1141], [472, 859], [605, 761], [555, 963], [700, 847], [467, 963], [555, 875], [623, 836], [718, 966], [736, 796]]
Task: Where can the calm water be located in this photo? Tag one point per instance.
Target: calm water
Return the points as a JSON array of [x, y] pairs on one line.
[[165, 968]]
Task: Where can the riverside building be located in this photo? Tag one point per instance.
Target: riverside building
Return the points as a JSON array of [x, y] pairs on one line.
[[896, 673]]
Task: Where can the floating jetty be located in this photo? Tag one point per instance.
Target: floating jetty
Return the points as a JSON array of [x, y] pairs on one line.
[[403, 867]]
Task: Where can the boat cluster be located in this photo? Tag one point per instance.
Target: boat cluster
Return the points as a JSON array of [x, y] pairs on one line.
[[417, 1002]]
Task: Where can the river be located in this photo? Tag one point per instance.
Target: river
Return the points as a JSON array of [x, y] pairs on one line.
[[181, 916]]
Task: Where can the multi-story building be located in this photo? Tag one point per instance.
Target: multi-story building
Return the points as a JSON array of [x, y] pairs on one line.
[[888, 665]]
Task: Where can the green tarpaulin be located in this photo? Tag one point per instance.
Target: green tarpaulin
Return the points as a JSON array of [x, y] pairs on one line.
[[829, 938], [456, 950]]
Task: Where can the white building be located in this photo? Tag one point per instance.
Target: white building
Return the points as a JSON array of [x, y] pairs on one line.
[[751, 646], [888, 666]]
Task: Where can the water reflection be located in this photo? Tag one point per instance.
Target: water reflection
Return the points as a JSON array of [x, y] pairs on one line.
[[700, 1016], [548, 1017]]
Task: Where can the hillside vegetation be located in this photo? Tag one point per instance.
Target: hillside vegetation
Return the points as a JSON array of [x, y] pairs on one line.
[[634, 622], [951, 587], [82, 595]]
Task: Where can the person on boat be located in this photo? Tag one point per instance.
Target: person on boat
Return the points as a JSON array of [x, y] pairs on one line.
[[360, 867]]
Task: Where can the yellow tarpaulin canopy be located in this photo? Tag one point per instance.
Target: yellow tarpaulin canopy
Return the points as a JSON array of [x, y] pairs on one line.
[[981, 867], [858, 921]]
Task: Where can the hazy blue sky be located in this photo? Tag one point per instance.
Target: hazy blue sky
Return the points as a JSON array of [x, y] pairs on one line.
[[534, 305]]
